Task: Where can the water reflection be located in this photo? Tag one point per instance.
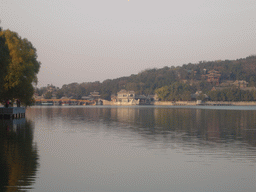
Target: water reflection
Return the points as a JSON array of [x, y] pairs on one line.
[[145, 148], [18, 155], [218, 126]]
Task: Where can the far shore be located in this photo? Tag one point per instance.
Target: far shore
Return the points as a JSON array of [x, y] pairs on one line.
[[196, 103], [210, 103], [186, 103]]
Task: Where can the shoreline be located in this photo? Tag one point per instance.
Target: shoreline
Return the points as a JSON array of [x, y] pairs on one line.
[[208, 103], [176, 103], [192, 103]]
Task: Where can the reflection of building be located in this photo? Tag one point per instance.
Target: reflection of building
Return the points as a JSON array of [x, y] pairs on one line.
[[127, 114], [213, 128], [14, 124]]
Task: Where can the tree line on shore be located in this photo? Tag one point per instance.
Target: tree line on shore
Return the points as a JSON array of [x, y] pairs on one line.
[[173, 83]]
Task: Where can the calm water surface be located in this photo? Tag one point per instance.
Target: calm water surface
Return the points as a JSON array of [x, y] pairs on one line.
[[127, 149]]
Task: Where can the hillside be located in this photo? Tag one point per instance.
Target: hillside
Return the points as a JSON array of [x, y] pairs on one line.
[[176, 83]]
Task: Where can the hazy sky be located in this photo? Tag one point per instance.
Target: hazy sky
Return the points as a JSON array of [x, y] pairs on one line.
[[84, 41]]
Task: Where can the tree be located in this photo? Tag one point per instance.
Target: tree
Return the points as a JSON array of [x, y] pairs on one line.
[[19, 67], [4, 59], [252, 81], [162, 93], [59, 94], [175, 92], [48, 95]]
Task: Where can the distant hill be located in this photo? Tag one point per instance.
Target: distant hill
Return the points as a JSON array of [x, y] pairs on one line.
[[180, 80]]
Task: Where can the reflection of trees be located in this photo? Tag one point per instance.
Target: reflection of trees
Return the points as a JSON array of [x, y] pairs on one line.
[[18, 155], [213, 125], [222, 126], [204, 124]]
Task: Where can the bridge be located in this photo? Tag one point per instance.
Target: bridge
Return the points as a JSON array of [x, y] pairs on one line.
[[49, 102]]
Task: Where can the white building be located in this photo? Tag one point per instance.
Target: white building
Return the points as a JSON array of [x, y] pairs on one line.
[[125, 98]]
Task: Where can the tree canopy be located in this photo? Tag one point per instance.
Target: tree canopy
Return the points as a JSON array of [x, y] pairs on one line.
[[175, 92], [18, 67]]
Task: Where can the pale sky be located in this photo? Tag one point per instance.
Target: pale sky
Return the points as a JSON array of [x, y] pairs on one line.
[[85, 41]]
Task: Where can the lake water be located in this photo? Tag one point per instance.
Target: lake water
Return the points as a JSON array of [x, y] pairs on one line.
[[137, 149]]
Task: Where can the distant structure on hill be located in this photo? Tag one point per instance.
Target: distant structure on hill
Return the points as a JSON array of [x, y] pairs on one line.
[[212, 77]]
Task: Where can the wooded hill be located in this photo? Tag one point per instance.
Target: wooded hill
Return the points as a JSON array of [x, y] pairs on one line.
[[178, 83]]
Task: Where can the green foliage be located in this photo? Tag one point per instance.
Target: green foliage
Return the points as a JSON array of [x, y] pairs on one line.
[[4, 60], [176, 91], [59, 94], [19, 67], [48, 95], [232, 95], [163, 93], [40, 91]]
